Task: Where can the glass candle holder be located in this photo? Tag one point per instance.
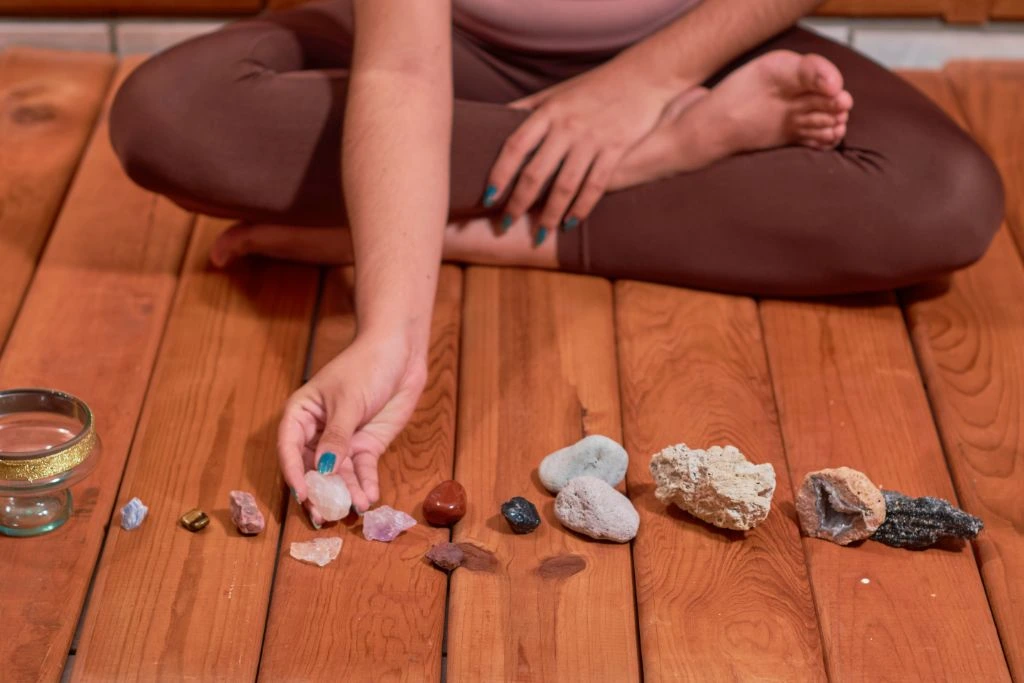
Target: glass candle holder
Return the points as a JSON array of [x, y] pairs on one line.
[[48, 442]]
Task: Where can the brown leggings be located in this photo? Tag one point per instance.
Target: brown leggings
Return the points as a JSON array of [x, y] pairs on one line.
[[246, 123]]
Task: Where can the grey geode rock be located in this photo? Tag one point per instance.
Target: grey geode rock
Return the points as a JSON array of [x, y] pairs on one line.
[[918, 523], [592, 507], [839, 505], [594, 456], [719, 485]]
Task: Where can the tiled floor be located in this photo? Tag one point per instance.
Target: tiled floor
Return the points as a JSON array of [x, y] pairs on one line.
[[917, 43]]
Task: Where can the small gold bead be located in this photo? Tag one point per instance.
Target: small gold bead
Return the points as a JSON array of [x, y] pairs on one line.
[[195, 520]]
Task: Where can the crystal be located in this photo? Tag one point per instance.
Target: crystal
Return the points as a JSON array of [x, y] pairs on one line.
[[385, 523], [132, 514], [446, 556], [445, 504], [319, 551], [521, 515], [194, 520], [329, 495], [839, 505], [245, 513], [918, 523]]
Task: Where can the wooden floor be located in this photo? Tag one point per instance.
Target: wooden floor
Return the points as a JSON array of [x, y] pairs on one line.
[[104, 292]]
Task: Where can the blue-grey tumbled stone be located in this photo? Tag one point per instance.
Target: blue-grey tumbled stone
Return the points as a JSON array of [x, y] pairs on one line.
[[521, 515], [918, 523], [132, 514]]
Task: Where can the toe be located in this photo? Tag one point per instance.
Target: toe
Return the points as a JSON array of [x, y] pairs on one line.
[[815, 119], [818, 75], [822, 137], [843, 102], [228, 245], [840, 132]]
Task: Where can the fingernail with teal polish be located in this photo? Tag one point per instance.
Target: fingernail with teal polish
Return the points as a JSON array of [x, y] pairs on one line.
[[326, 464], [570, 223], [294, 495], [542, 234], [489, 195], [506, 223]]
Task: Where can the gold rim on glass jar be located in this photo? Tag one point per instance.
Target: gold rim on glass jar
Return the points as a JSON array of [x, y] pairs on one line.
[[48, 442]]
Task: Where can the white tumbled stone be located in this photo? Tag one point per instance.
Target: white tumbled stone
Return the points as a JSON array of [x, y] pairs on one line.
[[592, 507], [594, 456], [329, 494]]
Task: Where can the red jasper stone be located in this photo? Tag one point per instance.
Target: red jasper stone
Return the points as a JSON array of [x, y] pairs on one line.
[[445, 504]]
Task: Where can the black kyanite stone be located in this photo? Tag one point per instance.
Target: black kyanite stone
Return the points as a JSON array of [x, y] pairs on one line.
[[918, 523], [521, 515]]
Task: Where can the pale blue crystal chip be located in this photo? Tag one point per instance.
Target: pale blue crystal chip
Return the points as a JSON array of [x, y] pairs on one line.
[[132, 514]]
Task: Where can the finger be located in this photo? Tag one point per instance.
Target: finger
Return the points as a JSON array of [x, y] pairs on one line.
[[365, 465], [595, 185], [331, 246], [291, 440], [513, 153], [360, 501], [536, 174], [574, 170]]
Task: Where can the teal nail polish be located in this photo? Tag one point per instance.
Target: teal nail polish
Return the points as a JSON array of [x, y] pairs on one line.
[[570, 223], [294, 495], [542, 234], [489, 195], [326, 464], [506, 223]]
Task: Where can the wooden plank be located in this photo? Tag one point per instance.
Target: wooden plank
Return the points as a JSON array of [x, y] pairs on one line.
[[116, 7], [90, 324], [1007, 9], [970, 345], [989, 94], [167, 603], [848, 393], [49, 102], [384, 604], [694, 371], [538, 372], [957, 11]]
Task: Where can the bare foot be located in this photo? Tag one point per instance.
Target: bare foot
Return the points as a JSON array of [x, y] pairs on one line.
[[474, 241], [781, 98]]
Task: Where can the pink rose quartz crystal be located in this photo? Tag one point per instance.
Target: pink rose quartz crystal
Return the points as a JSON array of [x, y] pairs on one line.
[[319, 551], [385, 523], [245, 513]]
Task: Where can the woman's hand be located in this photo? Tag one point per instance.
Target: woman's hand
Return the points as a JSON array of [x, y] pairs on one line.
[[579, 130], [354, 407]]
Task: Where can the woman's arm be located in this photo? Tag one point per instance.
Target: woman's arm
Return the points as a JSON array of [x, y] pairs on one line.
[[582, 128], [396, 162], [395, 166]]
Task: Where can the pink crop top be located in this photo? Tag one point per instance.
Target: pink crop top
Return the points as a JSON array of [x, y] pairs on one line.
[[565, 25]]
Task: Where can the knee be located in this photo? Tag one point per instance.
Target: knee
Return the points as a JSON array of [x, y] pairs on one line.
[[957, 209]]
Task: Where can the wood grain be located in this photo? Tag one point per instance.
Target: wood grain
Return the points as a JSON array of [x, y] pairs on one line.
[[49, 102], [694, 371], [538, 373], [384, 603], [113, 7], [969, 341], [848, 393], [958, 11], [90, 324], [1007, 9], [990, 95], [167, 603]]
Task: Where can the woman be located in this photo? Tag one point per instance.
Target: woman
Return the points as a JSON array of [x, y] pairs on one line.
[[693, 143]]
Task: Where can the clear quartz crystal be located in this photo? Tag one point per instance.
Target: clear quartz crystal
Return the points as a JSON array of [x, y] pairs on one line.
[[329, 494], [319, 551], [385, 524]]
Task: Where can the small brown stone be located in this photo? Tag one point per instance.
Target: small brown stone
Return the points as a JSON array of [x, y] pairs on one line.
[[839, 505], [446, 556], [445, 504]]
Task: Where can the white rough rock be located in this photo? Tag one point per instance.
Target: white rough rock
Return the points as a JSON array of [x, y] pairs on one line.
[[319, 551], [329, 494], [719, 485], [594, 456], [591, 506]]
